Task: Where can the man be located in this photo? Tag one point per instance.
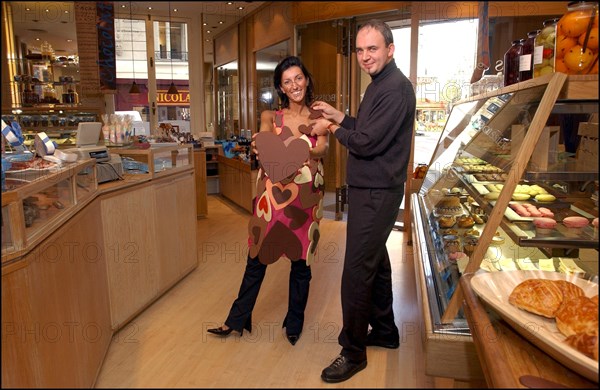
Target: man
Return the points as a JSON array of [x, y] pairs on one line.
[[379, 142]]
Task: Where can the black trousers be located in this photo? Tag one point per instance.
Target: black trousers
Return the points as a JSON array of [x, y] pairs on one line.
[[367, 275], [240, 315]]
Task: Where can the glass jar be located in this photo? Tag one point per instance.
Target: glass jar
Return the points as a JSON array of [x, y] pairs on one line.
[[543, 52], [577, 39], [511, 63], [526, 57]]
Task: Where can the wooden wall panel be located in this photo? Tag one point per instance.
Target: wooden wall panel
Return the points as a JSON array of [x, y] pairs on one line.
[[226, 46], [272, 25], [318, 52], [312, 11]]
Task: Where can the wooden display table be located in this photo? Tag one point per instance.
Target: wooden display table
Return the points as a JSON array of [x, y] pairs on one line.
[[237, 181]]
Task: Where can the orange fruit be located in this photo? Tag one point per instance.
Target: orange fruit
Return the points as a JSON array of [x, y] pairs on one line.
[[559, 66], [578, 60], [592, 40], [563, 44], [575, 23]]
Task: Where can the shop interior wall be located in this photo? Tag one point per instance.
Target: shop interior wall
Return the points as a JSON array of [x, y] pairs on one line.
[[318, 50]]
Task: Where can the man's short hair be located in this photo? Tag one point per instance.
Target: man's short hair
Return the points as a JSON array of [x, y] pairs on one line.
[[382, 27]]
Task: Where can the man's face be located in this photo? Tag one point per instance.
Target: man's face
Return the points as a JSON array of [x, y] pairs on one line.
[[371, 52]]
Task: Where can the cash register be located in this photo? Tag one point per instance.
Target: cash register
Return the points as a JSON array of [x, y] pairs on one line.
[[109, 167]]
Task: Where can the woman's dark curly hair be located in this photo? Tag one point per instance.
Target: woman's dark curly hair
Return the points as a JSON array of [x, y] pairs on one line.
[[284, 65]]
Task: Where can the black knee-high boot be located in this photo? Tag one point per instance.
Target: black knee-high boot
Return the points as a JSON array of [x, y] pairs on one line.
[[300, 276], [240, 315]]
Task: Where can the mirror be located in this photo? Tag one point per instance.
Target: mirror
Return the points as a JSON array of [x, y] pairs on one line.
[[266, 62], [228, 101]]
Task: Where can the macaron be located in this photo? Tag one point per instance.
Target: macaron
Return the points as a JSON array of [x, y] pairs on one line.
[[544, 225], [575, 222]]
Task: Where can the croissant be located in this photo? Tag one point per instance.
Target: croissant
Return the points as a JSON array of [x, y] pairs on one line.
[[539, 296], [585, 343], [569, 290], [577, 315]]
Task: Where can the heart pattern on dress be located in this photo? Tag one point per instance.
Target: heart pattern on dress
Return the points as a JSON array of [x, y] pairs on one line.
[[280, 159], [281, 195]]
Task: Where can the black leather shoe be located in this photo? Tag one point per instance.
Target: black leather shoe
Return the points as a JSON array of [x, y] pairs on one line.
[[373, 340], [293, 338], [342, 369], [220, 331]]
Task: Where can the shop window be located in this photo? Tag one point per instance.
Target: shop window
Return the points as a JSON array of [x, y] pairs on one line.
[[169, 50]]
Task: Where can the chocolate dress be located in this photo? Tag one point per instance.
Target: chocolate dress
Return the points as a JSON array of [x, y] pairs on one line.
[[285, 221]]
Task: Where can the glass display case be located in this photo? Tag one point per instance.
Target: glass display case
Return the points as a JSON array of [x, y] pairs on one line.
[[60, 124], [156, 161], [34, 200], [499, 168]]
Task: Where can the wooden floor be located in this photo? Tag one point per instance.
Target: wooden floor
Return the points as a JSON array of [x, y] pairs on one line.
[[167, 344]]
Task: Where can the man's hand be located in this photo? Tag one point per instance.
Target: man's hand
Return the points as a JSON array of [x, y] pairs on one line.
[[319, 127], [328, 111]]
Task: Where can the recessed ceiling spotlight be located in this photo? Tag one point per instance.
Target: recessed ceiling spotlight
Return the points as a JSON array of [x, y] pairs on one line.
[[240, 7], [204, 24], [221, 22], [149, 8], [208, 31], [229, 2], [174, 9]]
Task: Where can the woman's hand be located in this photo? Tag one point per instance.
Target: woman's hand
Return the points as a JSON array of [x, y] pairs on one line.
[[253, 145]]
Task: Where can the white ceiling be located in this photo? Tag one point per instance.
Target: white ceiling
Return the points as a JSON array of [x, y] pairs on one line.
[[54, 21]]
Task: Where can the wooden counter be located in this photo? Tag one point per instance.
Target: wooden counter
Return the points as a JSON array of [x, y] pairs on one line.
[[93, 269], [505, 355], [237, 181]]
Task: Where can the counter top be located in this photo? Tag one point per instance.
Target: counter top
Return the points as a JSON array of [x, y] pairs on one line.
[[507, 358]]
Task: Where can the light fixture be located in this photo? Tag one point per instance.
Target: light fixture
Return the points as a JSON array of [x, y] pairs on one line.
[[135, 89], [172, 88]]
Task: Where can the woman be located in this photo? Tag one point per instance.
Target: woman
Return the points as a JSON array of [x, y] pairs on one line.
[[287, 212]]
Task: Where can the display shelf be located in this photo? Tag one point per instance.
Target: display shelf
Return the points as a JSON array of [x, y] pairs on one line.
[[42, 81], [159, 160], [496, 150], [59, 123], [35, 201]]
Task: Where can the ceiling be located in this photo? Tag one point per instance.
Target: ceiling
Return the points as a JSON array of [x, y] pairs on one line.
[[53, 21]]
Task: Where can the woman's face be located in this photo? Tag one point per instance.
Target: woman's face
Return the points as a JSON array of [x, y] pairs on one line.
[[294, 83]]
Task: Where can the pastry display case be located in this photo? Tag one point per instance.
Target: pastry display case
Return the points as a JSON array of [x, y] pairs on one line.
[[36, 200], [59, 123], [502, 193], [157, 161]]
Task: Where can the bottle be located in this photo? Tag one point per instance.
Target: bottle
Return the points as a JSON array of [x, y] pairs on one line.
[[577, 39], [511, 63], [544, 49], [73, 96], [526, 57]]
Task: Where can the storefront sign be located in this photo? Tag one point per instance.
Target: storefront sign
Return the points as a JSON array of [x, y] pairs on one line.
[[181, 99], [105, 17], [87, 48]]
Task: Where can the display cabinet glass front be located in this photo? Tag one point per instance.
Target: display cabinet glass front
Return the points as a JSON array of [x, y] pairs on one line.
[[478, 204]]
